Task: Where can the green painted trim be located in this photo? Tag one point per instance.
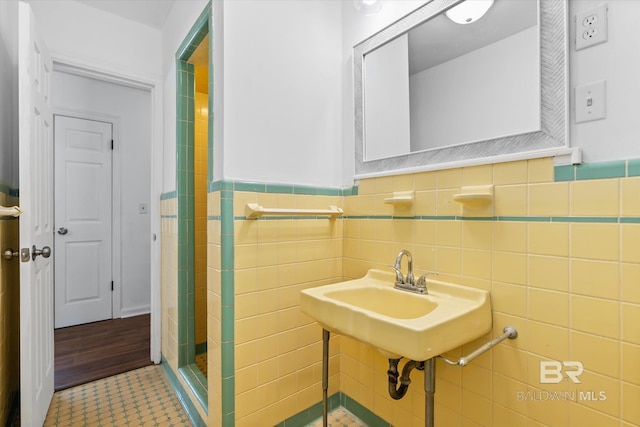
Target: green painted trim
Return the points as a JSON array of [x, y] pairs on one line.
[[601, 170], [169, 216], [629, 220], [197, 383], [169, 195], [564, 173], [314, 412], [188, 406]]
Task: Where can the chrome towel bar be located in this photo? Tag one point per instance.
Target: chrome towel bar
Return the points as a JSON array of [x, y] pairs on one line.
[[508, 332]]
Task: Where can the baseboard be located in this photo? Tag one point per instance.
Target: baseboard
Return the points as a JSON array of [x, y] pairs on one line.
[[135, 311], [188, 406]]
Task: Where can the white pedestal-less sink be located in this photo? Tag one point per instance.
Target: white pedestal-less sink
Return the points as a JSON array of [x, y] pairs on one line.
[[400, 323]]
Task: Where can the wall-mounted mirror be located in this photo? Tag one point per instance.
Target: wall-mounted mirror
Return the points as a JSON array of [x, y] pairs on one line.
[[430, 91]]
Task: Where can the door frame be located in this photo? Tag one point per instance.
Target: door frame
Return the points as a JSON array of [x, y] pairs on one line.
[[154, 86], [116, 202]]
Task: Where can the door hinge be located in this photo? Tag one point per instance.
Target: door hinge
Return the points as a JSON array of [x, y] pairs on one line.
[[112, 144], [112, 286]]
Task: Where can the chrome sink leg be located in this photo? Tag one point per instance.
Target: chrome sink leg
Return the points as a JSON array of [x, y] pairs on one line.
[[429, 391], [325, 375]]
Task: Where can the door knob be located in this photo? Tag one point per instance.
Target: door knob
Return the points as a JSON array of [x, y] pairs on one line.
[[9, 254], [45, 252], [62, 231]]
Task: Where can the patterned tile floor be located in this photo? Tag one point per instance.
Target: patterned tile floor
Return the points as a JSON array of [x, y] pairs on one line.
[[142, 397], [340, 417], [201, 361]]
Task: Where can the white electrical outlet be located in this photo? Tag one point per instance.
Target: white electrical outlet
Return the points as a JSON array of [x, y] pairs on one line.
[[591, 101], [591, 27]]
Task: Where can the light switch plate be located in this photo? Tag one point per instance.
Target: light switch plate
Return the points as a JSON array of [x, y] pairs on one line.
[[591, 101]]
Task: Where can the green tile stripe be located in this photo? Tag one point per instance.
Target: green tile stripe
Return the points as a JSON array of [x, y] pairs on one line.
[[262, 187], [198, 32], [227, 345], [598, 170], [334, 401], [169, 216], [191, 410], [184, 193], [633, 167], [169, 195], [588, 219]]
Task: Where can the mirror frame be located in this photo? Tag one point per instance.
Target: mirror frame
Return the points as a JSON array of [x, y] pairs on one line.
[[554, 99]]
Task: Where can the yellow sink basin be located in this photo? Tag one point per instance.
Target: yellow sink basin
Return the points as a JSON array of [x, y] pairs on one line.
[[400, 323]]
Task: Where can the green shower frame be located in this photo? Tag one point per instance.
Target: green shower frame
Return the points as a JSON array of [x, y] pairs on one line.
[[185, 117]]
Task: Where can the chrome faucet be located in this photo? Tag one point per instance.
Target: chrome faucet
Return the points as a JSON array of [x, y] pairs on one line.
[[409, 283], [409, 280]]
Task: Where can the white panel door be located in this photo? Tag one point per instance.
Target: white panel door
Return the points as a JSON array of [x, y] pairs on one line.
[[36, 223], [83, 203]]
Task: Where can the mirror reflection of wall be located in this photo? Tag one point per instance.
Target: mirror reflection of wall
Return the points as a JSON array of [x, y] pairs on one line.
[[444, 84]]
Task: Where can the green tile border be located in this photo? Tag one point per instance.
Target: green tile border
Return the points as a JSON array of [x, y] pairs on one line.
[[275, 188], [197, 383], [586, 219], [184, 193], [597, 170], [334, 401], [169, 195], [633, 167], [191, 410]]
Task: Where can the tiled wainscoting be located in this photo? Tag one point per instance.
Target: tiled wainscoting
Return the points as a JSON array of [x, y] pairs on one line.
[[557, 249]]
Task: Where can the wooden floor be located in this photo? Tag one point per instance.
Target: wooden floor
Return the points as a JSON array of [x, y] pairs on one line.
[[97, 350]]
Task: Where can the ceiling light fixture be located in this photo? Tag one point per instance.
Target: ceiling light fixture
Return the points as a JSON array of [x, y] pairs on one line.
[[469, 11], [368, 7]]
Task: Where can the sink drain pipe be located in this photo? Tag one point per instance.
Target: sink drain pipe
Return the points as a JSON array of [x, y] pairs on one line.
[[429, 368], [398, 393]]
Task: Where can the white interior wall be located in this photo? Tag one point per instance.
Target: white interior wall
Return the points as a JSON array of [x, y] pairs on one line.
[[9, 93], [282, 92], [180, 20], [132, 108], [617, 62], [614, 138], [78, 32]]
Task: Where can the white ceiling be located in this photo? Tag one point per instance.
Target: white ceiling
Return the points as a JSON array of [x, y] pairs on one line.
[[149, 12]]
